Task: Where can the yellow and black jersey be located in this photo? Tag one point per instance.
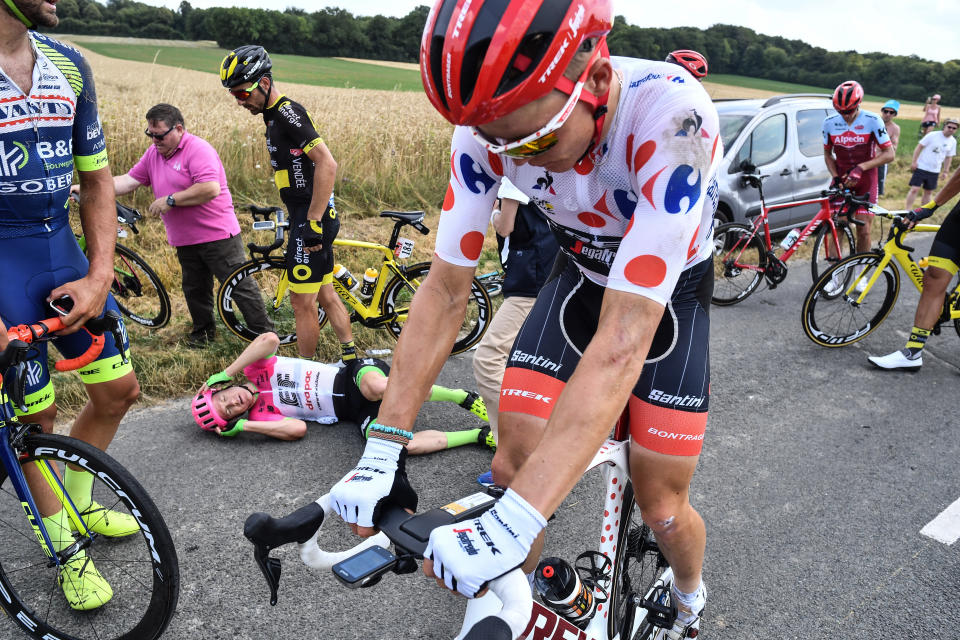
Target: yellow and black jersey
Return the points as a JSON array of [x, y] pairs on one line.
[[291, 134]]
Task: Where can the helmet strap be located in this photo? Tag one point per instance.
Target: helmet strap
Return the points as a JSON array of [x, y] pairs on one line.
[[18, 14], [595, 102], [266, 94]]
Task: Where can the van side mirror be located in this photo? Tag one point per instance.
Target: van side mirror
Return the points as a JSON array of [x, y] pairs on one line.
[[747, 167]]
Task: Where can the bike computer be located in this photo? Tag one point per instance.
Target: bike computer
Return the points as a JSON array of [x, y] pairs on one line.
[[264, 225], [365, 568]]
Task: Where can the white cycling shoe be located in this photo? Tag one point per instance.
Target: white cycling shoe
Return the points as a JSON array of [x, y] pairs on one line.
[[897, 361], [835, 286]]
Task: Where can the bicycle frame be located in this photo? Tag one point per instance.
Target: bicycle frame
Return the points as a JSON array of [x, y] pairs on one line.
[[366, 311], [891, 251], [826, 214]]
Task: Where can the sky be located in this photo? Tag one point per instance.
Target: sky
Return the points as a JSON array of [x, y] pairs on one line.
[[899, 27]]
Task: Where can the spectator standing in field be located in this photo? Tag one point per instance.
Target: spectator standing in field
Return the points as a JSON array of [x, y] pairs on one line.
[[931, 114], [304, 172], [932, 160], [851, 138], [192, 197], [527, 252], [888, 112]]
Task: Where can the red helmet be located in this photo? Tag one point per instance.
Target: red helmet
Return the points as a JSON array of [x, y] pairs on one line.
[[847, 97], [690, 60], [482, 59]]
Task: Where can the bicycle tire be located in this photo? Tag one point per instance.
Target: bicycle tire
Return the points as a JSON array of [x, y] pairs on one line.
[[397, 296], [141, 568], [739, 261], [138, 290], [492, 282], [818, 261], [637, 565], [837, 319], [267, 274]]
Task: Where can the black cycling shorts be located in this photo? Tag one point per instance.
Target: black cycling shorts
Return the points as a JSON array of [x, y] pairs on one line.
[[307, 271], [945, 251], [668, 408], [348, 403]]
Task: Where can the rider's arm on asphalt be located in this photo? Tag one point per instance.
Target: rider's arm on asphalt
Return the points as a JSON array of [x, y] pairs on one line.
[[428, 335], [283, 429], [591, 401], [263, 346]]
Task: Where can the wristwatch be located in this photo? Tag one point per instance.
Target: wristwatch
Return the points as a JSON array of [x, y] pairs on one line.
[[170, 201]]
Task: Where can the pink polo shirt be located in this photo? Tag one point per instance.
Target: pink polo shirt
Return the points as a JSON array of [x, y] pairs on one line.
[[194, 161]]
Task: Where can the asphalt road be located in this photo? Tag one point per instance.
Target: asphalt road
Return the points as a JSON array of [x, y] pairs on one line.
[[817, 475]]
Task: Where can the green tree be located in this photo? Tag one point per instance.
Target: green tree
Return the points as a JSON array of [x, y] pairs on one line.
[[68, 9]]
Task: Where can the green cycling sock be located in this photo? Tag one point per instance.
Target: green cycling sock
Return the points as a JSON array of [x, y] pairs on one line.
[[460, 438], [58, 528], [443, 394], [79, 486], [364, 371]]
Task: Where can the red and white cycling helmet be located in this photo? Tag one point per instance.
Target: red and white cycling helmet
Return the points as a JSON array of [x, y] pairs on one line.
[[848, 96], [204, 412], [690, 60], [482, 59]]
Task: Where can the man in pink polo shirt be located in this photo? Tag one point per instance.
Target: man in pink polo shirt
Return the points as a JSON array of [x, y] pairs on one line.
[[190, 187]]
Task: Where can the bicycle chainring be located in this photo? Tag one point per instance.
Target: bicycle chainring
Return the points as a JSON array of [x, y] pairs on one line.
[[776, 271]]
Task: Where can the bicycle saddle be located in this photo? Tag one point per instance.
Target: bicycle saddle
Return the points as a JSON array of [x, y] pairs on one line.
[[406, 216]]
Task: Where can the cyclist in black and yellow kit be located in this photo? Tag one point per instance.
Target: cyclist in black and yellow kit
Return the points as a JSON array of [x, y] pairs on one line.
[[944, 262], [49, 126], [304, 175]]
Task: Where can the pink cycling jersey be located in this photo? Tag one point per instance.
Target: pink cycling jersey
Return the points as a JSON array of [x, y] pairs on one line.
[[633, 215], [292, 388], [855, 143]]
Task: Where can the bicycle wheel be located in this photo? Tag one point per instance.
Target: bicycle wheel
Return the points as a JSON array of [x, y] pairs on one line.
[[397, 296], [492, 282], [637, 566], [848, 247], [138, 290], [831, 314], [141, 569], [266, 274], [739, 259]]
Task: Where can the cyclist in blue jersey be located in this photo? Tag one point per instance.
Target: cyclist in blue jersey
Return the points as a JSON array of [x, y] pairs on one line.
[[49, 126]]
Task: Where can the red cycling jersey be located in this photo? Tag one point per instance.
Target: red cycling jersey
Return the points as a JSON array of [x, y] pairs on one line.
[[854, 143]]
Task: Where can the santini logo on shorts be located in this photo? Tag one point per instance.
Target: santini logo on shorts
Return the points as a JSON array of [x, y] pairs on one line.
[[535, 361], [677, 401]]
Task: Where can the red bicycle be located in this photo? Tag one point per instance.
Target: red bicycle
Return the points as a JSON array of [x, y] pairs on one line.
[[744, 253]]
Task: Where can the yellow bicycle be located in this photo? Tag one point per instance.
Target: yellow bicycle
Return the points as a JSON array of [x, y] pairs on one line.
[[853, 297], [389, 300]]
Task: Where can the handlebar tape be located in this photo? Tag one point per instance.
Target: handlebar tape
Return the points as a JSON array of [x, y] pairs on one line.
[[30, 333]]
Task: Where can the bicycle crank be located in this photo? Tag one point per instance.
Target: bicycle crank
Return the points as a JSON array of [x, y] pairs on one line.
[[776, 271]]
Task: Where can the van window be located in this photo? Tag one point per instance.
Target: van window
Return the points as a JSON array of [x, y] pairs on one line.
[[810, 131], [766, 143]]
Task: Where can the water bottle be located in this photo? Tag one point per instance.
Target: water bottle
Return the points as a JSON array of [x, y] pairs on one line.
[[561, 589], [369, 281], [346, 278], [787, 242]]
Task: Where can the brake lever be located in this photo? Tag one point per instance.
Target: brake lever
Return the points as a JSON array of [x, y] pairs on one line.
[[109, 322], [269, 567]]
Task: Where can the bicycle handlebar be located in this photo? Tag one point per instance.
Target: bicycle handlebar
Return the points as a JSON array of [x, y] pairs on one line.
[[409, 535], [265, 213]]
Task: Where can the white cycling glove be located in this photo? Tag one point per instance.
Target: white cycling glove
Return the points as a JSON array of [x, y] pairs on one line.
[[379, 477], [467, 555]]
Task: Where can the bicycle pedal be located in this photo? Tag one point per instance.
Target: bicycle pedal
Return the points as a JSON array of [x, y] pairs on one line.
[[661, 611]]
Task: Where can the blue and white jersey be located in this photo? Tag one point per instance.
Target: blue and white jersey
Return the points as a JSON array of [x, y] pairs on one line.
[[43, 135]]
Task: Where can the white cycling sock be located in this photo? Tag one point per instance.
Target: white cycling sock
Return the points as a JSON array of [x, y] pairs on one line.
[[689, 605]]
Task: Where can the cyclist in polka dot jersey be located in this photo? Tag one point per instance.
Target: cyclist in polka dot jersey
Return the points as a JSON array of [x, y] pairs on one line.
[[619, 155]]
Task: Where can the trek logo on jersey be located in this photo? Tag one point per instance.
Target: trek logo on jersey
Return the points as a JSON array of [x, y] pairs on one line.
[[535, 361], [848, 139], [676, 401], [13, 157]]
